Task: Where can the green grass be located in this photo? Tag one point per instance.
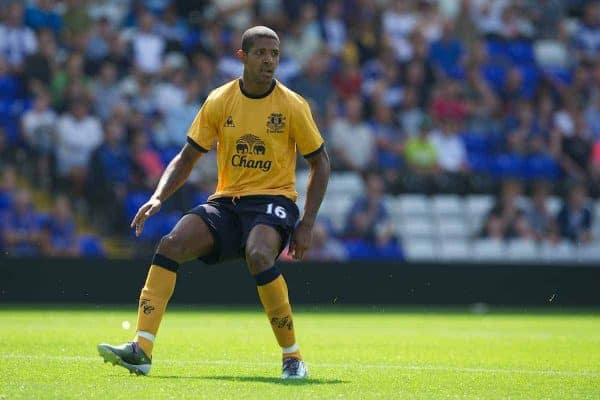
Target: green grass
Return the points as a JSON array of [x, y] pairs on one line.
[[368, 353]]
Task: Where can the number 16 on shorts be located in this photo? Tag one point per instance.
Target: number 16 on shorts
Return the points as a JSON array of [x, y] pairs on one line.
[[278, 211]]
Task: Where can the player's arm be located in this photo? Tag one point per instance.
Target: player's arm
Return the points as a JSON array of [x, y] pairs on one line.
[[317, 185], [172, 178]]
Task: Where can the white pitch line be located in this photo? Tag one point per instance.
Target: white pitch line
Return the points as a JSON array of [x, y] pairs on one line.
[[326, 365]]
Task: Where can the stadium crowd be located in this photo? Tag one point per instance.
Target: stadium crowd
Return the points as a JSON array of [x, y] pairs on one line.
[[421, 96]]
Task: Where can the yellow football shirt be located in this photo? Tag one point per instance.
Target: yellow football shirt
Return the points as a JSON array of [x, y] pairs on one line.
[[256, 139]]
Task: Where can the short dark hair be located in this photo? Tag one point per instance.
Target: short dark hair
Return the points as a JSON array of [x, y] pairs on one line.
[[254, 33]]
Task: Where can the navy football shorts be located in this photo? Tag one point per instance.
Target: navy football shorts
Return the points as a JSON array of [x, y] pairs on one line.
[[231, 220]]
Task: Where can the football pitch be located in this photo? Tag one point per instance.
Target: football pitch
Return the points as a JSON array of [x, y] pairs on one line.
[[352, 353]]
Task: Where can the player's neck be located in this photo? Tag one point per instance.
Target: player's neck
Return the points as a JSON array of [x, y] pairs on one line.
[[255, 90]]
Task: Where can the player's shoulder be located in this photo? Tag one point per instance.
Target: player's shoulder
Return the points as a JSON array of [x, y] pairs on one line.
[[294, 99], [223, 92]]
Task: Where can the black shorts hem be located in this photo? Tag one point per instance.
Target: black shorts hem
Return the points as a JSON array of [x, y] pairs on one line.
[[215, 256], [283, 234]]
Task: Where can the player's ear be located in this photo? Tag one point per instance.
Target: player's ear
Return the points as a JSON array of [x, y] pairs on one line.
[[240, 55]]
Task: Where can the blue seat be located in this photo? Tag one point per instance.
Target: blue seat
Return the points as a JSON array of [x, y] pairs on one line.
[[133, 201], [166, 155], [476, 143], [361, 249], [531, 77], [542, 166], [497, 50], [6, 201], [479, 162], [200, 198], [508, 166], [520, 52], [495, 75], [91, 246], [157, 226]]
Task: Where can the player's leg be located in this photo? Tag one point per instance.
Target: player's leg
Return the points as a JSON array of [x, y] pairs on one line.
[[189, 239], [262, 248]]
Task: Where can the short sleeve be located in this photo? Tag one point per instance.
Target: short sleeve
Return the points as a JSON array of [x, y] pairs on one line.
[[305, 131], [204, 129]]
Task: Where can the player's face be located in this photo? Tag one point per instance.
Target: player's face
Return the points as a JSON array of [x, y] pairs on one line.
[[261, 60]]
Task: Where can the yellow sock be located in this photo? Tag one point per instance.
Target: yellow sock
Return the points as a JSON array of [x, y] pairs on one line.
[[274, 297], [155, 295]]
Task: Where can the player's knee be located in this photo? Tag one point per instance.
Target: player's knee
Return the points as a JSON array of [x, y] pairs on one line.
[[259, 259], [169, 246]]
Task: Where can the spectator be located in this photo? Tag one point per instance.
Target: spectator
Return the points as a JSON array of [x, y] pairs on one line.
[[481, 101], [76, 19], [390, 143], [60, 230], [171, 92], [587, 36], [77, 135], [449, 103], [576, 150], [314, 83], [10, 102], [178, 119], [106, 90], [347, 81], [369, 232], [507, 219], [515, 24], [352, 140], [575, 218], [7, 155], [420, 153], [38, 128], [21, 228], [43, 15], [147, 46], [110, 169], [399, 20], [324, 247], [410, 115], [70, 81], [334, 29], [173, 28], [146, 162], [446, 52], [98, 44], [540, 219], [368, 212], [431, 21], [546, 16], [487, 15], [17, 40], [304, 39], [39, 67], [8, 188], [450, 149], [142, 94]]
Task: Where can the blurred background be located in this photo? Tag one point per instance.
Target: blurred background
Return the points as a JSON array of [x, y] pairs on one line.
[[458, 130]]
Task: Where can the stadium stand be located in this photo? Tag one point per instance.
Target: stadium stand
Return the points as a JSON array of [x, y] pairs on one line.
[[445, 101]]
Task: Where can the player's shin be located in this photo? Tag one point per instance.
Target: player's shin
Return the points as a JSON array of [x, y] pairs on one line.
[[155, 295], [273, 293]]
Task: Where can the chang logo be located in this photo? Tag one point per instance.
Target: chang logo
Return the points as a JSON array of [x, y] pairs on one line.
[[247, 146]]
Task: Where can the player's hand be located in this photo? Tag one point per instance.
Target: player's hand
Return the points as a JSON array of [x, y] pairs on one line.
[[301, 240], [150, 208]]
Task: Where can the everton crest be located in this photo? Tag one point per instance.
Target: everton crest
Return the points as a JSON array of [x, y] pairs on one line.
[[275, 123]]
